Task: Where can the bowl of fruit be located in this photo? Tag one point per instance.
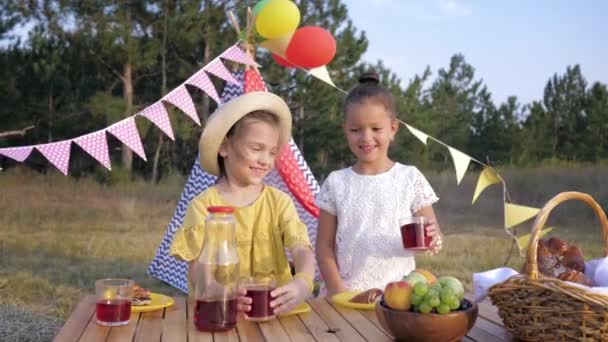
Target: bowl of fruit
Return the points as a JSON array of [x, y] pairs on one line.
[[422, 307]]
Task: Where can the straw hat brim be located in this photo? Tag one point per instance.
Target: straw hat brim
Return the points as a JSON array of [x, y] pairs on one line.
[[232, 111]]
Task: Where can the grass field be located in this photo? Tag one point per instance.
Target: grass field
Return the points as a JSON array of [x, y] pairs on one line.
[[58, 234]]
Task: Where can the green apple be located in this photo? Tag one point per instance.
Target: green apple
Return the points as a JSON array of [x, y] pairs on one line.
[[454, 284], [414, 277]]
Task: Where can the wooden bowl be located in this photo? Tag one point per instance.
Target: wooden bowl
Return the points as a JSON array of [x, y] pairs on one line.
[[414, 326]]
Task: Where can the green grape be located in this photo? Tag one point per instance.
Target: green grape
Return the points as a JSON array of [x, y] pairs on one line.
[[421, 289], [443, 309], [448, 299], [415, 299], [437, 287], [432, 293], [425, 307], [446, 294], [454, 305], [434, 301]]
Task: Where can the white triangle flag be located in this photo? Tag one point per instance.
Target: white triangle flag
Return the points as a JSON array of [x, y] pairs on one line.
[[418, 134], [461, 163], [322, 74]]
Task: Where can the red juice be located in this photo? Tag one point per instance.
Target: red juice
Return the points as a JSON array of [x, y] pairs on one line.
[[215, 315], [260, 302], [113, 311], [414, 236]]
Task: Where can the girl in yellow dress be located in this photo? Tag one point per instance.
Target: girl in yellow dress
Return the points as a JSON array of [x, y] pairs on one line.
[[239, 145]]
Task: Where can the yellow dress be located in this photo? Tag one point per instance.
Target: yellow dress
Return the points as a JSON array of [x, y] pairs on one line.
[[264, 230]]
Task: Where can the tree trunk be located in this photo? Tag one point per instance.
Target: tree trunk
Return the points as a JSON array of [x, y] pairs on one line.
[[127, 154], [163, 90], [50, 112], [300, 129]]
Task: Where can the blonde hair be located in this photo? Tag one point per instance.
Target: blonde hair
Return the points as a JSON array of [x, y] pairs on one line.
[[237, 129]]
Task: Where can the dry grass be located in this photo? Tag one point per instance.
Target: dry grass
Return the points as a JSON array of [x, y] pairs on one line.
[[59, 234]]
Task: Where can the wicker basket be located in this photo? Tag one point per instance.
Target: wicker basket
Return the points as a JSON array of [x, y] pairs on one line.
[[538, 308]]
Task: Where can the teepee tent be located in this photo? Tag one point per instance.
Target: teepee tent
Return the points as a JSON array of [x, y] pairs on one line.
[[291, 175]]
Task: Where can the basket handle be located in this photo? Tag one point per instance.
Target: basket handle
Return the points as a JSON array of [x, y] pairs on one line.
[[541, 219]]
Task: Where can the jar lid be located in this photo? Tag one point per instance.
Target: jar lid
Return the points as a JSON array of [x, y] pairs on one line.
[[220, 209]]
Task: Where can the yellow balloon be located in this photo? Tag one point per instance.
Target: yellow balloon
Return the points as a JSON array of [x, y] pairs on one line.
[[277, 18]]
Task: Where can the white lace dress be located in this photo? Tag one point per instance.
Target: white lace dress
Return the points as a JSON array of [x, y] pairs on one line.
[[369, 249]]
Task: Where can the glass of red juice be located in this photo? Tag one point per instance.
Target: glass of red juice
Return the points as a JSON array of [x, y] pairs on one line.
[[113, 301], [259, 292], [413, 233], [215, 314]]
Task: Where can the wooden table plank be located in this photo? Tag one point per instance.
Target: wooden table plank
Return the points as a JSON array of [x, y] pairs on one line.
[[481, 335], [273, 330], [227, 336], [150, 327], [248, 331], [175, 323], [363, 325], [126, 332], [492, 328], [317, 327], [343, 330], [371, 316], [193, 334], [78, 321], [296, 330], [94, 331]]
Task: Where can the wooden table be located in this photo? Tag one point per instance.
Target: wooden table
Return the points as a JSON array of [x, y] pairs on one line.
[[325, 322]]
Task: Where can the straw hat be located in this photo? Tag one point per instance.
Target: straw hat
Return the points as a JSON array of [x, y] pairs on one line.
[[229, 113]]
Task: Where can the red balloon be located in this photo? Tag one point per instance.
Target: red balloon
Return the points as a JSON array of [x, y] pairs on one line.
[[311, 47], [282, 61]]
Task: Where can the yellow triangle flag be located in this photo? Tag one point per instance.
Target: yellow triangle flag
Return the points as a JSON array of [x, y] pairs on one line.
[[487, 177], [516, 214], [277, 45], [524, 240], [461, 163], [418, 134], [322, 74]]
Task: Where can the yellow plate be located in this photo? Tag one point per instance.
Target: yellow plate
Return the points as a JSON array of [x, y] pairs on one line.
[[302, 308], [345, 297], [159, 301]]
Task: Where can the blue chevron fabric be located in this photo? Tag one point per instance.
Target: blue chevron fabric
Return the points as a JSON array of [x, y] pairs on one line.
[[173, 271]]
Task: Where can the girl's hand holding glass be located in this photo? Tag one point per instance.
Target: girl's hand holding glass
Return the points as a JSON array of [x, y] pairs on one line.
[[243, 302], [432, 230], [288, 296]]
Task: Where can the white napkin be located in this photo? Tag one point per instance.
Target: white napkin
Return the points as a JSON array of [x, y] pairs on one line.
[[596, 269], [484, 280]]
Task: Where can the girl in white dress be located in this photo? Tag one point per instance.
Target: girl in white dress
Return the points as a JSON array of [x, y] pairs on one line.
[[359, 245]]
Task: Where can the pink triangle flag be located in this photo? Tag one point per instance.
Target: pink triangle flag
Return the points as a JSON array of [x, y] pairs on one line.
[[159, 116], [237, 55], [217, 68], [17, 153], [96, 145], [203, 82], [57, 153], [180, 98], [126, 131]]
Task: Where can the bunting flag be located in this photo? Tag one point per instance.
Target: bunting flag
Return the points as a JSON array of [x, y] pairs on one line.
[[57, 153], [17, 153], [235, 54], [217, 68], [159, 116], [524, 240], [516, 214], [322, 74], [278, 45], [126, 131], [202, 81], [418, 134], [461, 163], [253, 82], [487, 177], [180, 98], [96, 145]]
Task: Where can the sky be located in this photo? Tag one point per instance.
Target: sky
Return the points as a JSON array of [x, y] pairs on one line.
[[515, 46]]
